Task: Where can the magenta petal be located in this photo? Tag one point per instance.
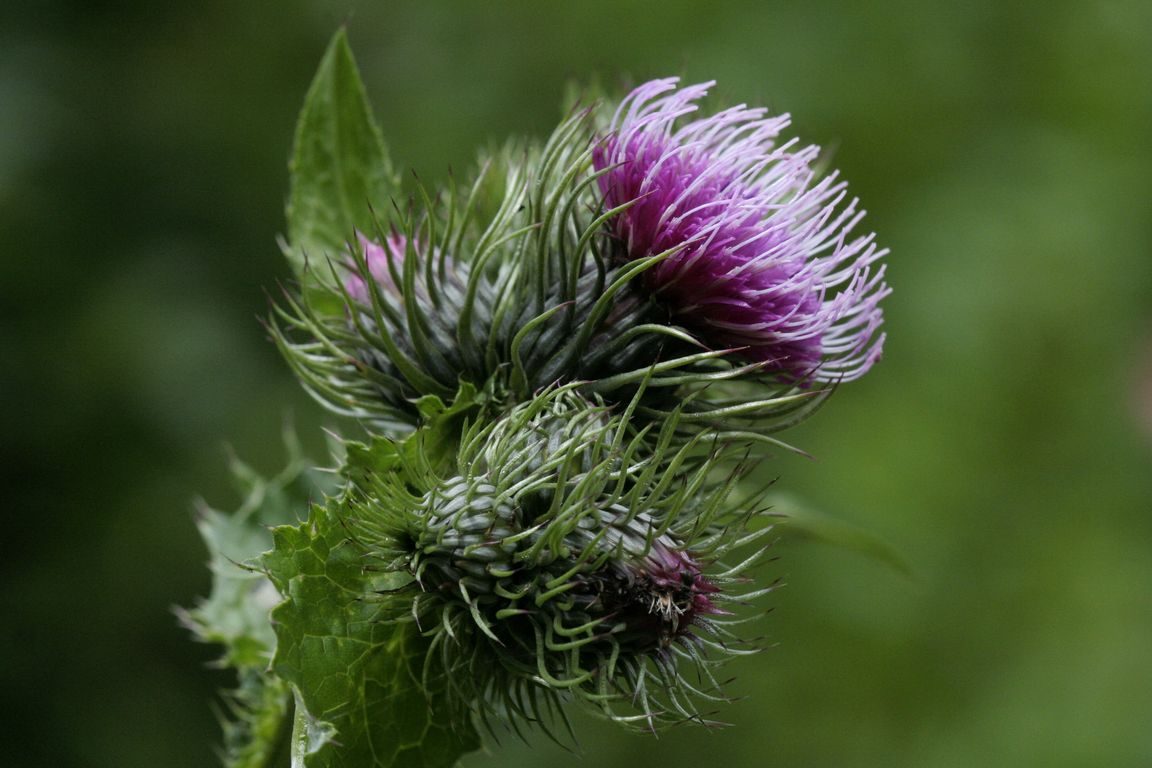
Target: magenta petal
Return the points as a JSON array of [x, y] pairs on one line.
[[765, 260]]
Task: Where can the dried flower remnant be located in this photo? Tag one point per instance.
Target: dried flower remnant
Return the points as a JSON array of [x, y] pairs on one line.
[[760, 252]]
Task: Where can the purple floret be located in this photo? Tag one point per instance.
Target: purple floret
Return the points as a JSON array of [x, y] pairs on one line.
[[761, 259], [377, 258]]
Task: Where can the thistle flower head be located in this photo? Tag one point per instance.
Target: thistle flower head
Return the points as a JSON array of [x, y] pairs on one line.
[[572, 556], [760, 255]]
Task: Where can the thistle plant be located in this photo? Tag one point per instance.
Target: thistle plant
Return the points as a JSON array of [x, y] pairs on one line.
[[557, 375]]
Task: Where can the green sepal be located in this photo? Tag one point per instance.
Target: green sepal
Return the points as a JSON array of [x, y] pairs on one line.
[[340, 174], [356, 663]]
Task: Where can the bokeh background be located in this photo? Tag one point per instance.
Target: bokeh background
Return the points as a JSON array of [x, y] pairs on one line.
[[1004, 152]]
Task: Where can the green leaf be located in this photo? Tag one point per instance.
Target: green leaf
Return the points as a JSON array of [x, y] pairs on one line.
[[363, 461], [355, 665], [258, 735], [431, 448], [438, 439], [797, 517], [236, 614], [340, 170]]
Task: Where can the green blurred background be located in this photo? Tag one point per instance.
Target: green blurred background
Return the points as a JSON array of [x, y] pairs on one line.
[[1004, 152]]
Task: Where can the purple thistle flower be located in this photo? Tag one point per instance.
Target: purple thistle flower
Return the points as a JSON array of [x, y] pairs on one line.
[[669, 597], [762, 259], [378, 258]]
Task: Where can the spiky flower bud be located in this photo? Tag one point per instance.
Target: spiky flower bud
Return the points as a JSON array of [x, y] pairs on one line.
[[571, 555], [609, 577]]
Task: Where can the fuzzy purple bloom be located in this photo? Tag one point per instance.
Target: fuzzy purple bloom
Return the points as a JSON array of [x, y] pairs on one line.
[[761, 256]]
